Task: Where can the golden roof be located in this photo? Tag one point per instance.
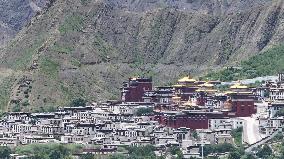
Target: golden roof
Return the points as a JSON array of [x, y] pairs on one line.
[[134, 78], [206, 84], [237, 92], [190, 104], [229, 92], [206, 90], [239, 85], [186, 79], [228, 105], [176, 97], [178, 85]]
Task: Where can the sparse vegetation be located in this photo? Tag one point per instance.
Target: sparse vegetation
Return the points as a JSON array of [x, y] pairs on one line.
[[45, 108], [103, 48], [76, 62], [85, 2]]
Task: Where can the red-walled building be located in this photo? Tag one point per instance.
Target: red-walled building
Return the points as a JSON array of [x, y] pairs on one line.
[[240, 101], [189, 119], [161, 95], [134, 89]]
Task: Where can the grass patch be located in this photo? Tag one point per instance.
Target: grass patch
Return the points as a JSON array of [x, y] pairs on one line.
[[71, 23], [26, 57], [49, 67], [62, 49], [76, 62], [6, 88], [237, 135], [48, 150], [269, 62], [68, 94]]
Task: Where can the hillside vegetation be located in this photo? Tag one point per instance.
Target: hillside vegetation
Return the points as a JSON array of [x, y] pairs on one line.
[[270, 62], [85, 49]]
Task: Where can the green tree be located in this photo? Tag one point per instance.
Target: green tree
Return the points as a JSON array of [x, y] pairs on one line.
[[117, 156], [144, 111], [269, 62], [174, 150], [220, 148], [88, 156], [5, 152], [194, 134], [280, 112], [237, 135], [78, 102], [48, 151], [235, 155], [264, 152], [16, 108], [278, 137], [55, 154], [248, 156], [142, 152]]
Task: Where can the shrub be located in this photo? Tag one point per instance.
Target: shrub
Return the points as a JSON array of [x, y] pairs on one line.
[[264, 152], [144, 111], [78, 102], [5, 152]]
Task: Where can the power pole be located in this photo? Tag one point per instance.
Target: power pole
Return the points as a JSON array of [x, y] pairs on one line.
[[202, 144]]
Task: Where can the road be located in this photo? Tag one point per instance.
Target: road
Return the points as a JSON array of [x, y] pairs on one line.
[[251, 147], [251, 133]]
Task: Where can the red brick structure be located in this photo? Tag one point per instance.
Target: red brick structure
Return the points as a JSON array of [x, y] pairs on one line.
[[188, 119], [134, 89], [241, 101], [242, 105]]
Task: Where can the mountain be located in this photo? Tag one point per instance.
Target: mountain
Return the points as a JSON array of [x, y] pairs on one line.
[[15, 14], [86, 48]]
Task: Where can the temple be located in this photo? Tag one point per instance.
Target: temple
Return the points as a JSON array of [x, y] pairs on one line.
[[190, 103]]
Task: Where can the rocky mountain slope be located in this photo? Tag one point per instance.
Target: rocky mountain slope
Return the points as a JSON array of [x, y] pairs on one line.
[[86, 48], [15, 14]]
